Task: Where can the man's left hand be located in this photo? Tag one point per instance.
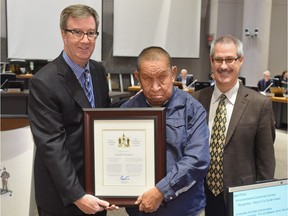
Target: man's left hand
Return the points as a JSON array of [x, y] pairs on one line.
[[150, 200]]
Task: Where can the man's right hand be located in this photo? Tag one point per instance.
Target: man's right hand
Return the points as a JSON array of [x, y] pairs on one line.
[[90, 204]]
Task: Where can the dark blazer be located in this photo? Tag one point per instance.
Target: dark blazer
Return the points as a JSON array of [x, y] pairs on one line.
[[262, 85], [56, 100], [189, 79], [249, 151]]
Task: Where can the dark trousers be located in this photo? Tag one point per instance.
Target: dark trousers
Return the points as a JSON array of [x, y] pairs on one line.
[[41, 212], [215, 205]]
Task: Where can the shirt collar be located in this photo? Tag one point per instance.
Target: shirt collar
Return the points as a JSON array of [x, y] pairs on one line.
[[156, 106], [231, 94], [77, 70]]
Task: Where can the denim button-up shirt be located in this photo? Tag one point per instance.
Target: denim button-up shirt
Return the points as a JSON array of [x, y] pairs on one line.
[[187, 152]]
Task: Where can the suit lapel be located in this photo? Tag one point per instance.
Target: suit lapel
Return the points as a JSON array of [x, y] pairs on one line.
[[71, 84], [240, 105], [239, 108], [95, 79], [205, 99]]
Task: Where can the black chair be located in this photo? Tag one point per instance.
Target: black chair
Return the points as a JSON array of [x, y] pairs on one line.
[[5, 77], [243, 80], [277, 80], [201, 85]]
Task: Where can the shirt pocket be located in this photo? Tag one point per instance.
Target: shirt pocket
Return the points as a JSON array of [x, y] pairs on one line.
[[176, 131]]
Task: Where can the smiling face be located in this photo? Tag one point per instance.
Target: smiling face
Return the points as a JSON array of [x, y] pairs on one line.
[[79, 51], [156, 78], [225, 75]]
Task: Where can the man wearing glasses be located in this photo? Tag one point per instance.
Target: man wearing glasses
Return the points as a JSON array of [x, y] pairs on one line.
[[57, 95], [241, 123]]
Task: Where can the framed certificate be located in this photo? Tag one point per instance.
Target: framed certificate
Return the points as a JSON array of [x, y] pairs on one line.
[[124, 152]]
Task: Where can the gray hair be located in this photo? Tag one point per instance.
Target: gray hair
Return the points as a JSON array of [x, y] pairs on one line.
[[228, 39], [78, 11]]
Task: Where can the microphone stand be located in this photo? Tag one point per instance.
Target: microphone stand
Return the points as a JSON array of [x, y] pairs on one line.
[[192, 83], [4, 83], [264, 92]]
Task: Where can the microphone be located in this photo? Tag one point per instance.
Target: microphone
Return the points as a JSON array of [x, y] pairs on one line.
[[192, 83], [264, 92]]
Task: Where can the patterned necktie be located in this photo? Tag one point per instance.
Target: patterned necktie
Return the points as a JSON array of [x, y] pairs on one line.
[[215, 173], [88, 87]]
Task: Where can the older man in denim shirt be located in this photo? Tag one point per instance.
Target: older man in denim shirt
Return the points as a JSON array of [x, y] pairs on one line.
[[187, 147]]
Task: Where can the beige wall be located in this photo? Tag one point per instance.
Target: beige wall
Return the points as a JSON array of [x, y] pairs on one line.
[[267, 51], [218, 17]]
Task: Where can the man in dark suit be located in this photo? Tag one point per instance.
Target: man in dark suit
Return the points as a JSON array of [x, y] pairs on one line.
[[58, 93], [184, 78], [248, 154], [264, 83]]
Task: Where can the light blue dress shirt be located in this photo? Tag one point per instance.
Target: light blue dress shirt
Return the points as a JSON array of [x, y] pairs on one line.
[[79, 73]]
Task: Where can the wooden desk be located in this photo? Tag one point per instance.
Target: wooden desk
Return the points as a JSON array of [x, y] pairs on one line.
[[16, 103], [116, 96], [134, 88], [24, 76], [13, 122], [138, 88], [189, 90], [280, 110], [14, 110], [280, 99]]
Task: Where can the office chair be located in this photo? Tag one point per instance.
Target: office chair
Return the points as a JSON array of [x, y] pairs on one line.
[[201, 85], [277, 80], [243, 80]]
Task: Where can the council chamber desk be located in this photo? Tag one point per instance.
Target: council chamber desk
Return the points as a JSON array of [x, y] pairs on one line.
[[280, 110], [16, 103], [25, 78]]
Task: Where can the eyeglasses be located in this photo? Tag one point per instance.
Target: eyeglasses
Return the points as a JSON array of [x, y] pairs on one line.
[[228, 61], [77, 34]]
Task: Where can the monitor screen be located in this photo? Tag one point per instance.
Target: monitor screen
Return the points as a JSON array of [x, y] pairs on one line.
[[267, 198]]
